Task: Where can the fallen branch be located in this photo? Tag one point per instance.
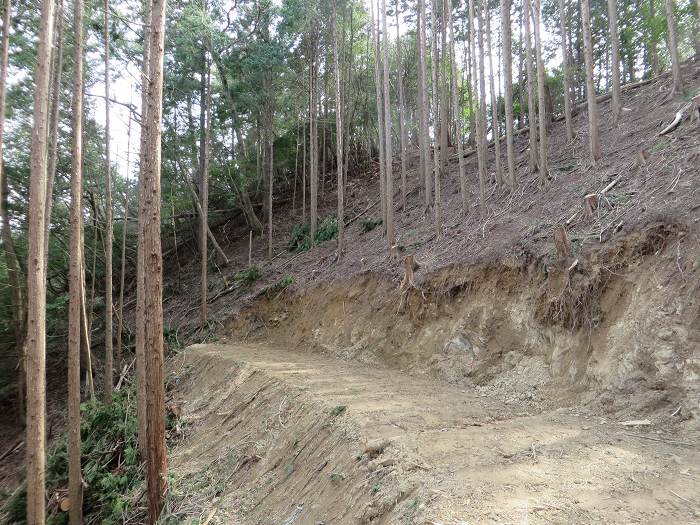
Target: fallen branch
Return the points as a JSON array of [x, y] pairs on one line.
[[10, 450], [676, 121]]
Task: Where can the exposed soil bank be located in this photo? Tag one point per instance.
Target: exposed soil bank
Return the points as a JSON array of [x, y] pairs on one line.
[[620, 329]]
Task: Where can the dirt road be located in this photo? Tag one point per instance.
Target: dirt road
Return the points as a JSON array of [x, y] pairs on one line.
[[275, 436]]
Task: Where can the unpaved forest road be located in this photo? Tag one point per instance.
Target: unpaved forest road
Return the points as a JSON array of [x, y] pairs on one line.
[[475, 459]]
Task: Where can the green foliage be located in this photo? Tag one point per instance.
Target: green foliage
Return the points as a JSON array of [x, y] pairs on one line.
[[367, 225], [338, 410], [110, 461], [249, 275], [275, 289], [300, 240]]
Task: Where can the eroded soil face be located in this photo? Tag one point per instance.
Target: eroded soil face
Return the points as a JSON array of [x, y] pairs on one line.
[[549, 393], [279, 436]]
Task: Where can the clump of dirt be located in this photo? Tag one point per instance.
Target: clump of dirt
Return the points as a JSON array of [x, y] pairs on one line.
[[620, 320]]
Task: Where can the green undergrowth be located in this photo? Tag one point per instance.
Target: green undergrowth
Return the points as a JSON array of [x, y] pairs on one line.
[[367, 225], [300, 239], [275, 289], [112, 472], [249, 275]]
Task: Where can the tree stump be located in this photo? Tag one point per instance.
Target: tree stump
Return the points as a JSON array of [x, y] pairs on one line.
[[409, 265], [561, 242], [590, 204]]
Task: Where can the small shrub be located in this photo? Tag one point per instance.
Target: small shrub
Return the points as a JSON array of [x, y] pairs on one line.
[[300, 239], [338, 410], [273, 290], [327, 230], [249, 275], [367, 225], [111, 467]]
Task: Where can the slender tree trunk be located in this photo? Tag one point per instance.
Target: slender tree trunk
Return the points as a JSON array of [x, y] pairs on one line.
[[531, 104], [36, 277], [673, 47], [424, 108], [494, 105], [303, 177], [459, 125], [435, 71], [56, 70], [440, 65], [140, 350], [566, 71], [482, 91], [508, 88], [13, 271], [388, 158], [541, 86], [380, 115], [204, 187], [76, 277], [125, 224], [314, 140], [402, 124], [594, 141], [615, 57], [151, 288], [270, 182], [109, 241], [481, 161], [339, 135]]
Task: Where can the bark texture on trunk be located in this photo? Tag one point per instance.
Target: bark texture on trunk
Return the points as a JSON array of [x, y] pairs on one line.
[[109, 307], [388, 158], [150, 289], [424, 109], [673, 47], [531, 104], [614, 36], [339, 136], [36, 277], [594, 141], [76, 277], [541, 86], [566, 70]]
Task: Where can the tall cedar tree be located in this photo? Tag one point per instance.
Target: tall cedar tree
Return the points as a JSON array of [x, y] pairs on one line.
[[35, 440], [109, 307], [424, 108], [11, 261], [388, 158], [594, 141], [150, 286], [566, 71], [508, 87], [339, 134], [541, 85], [75, 313]]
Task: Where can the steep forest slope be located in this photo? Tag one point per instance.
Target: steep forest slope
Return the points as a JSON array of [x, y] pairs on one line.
[[652, 209]]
